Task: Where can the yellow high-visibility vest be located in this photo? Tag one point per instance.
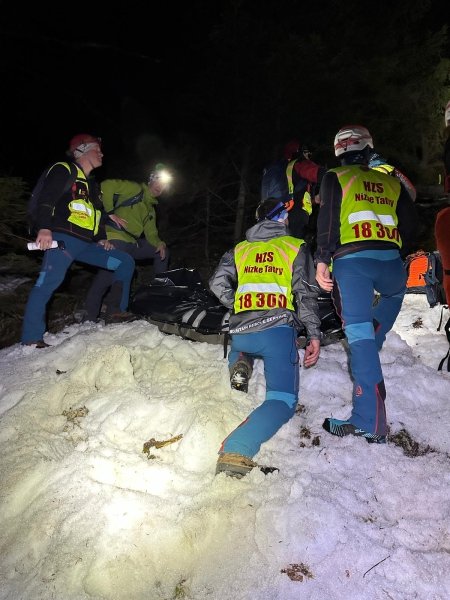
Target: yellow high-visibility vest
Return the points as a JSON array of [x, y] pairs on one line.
[[369, 203], [264, 271]]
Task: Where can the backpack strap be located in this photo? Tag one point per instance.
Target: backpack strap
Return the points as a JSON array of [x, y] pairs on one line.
[[115, 226], [73, 174], [127, 202], [440, 318], [447, 356]]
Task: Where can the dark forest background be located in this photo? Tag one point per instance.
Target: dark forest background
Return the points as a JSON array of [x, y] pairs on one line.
[[214, 90]]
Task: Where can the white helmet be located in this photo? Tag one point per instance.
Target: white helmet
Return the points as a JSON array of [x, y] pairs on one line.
[[351, 138]]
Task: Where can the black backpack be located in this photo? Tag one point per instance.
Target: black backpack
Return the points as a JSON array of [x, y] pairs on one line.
[[274, 182], [33, 202], [425, 276]]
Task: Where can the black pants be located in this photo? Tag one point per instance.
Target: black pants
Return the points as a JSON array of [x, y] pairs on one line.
[[103, 281]]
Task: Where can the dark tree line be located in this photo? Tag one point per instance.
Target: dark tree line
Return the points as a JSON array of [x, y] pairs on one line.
[[271, 75]]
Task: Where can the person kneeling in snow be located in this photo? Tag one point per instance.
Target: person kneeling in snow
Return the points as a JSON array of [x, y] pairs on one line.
[[259, 280]]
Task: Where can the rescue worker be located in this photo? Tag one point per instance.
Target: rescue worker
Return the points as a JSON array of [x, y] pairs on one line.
[[73, 217], [260, 281], [135, 203], [301, 181], [366, 220]]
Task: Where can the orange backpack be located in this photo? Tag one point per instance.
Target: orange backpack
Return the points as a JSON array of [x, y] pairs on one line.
[[417, 265], [425, 276]]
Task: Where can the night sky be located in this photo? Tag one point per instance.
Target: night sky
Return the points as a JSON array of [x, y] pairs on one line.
[[64, 74]]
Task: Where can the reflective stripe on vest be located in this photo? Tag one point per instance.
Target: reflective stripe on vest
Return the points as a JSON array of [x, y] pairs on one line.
[[82, 212], [264, 271], [289, 173], [306, 200], [369, 203], [384, 168]]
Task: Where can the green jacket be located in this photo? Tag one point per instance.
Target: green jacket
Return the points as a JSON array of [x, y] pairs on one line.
[[141, 216]]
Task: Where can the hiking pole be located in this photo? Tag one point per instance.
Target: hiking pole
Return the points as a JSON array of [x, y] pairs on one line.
[[447, 356]]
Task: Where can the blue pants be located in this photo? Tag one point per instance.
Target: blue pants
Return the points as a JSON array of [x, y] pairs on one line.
[[104, 280], [55, 265], [277, 348], [357, 276]]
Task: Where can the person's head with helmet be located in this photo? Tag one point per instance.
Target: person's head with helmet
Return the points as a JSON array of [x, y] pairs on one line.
[[86, 150], [271, 209], [353, 145], [294, 150], [159, 180]]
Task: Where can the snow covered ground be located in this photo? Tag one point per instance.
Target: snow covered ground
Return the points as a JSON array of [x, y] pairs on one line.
[[87, 514]]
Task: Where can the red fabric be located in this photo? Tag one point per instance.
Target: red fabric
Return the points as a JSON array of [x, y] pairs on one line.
[[447, 184], [442, 235], [291, 149], [307, 169]]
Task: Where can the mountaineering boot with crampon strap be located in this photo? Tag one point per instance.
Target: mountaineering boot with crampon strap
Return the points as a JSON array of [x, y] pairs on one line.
[[342, 428]]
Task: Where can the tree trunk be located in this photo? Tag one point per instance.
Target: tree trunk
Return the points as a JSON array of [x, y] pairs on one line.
[[207, 225], [239, 224]]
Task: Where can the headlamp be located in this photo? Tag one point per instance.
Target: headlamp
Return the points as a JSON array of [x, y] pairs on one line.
[[161, 175]]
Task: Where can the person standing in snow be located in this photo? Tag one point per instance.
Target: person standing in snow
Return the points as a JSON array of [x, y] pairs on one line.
[[72, 215], [366, 222], [259, 281], [135, 204]]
